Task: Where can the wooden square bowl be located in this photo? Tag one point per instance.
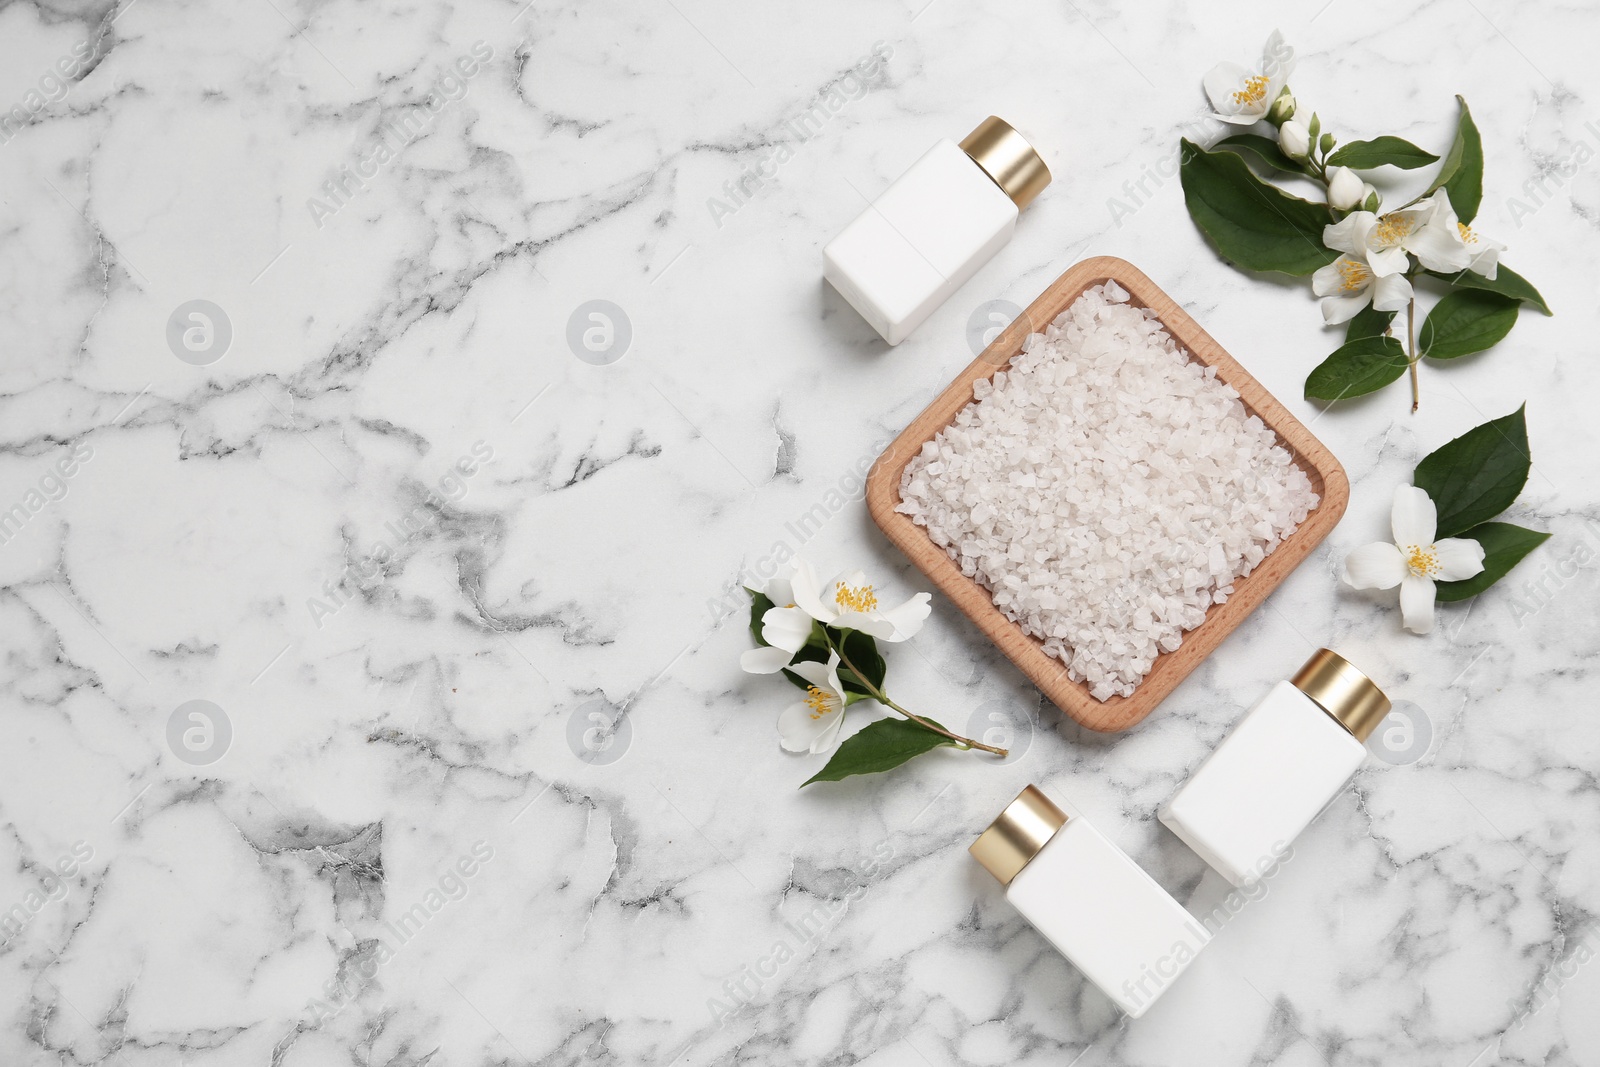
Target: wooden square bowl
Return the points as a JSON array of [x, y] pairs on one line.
[[1049, 674]]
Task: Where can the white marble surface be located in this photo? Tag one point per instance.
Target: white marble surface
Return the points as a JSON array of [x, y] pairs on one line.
[[424, 723]]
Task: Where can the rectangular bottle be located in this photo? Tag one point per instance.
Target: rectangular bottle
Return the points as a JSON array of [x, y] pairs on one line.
[[1094, 904], [934, 227], [1279, 767]]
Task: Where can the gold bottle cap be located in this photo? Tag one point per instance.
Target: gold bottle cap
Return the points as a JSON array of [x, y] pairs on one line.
[[1007, 157], [1026, 826], [1343, 692]]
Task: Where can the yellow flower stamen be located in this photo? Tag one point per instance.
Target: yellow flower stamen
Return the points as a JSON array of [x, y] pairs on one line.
[[1352, 275], [1467, 236], [1423, 560], [1254, 91], [859, 598], [1392, 228], [819, 702]]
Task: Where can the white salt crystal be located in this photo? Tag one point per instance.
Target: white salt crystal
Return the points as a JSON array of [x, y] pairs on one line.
[[1106, 490]]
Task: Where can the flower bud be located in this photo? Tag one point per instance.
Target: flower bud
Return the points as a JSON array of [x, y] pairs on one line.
[[1294, 139], [1345, 189], [1369, 197], [1282, 109]]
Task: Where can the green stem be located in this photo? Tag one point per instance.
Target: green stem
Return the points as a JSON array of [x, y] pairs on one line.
[[1321, 172], [883, 698], [1411, 350]]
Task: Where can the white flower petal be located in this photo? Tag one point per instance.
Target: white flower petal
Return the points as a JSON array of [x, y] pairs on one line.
[[787, 628], [828, 592], [876, 625], [1416, 603], [1375, 566], [1221, 82], [1487, 262], [1337, 309], [1414, 518], [801, 729], [1349, 234], [1277, 58], [1327, 280], [765, 660], [1438, 207], [855, 578], [822, 675], [1485, 253], [780, 592], [1459, 558], [1387, 261], [906, 619], [1392, 293], [834, 685], [1397, 225], [829, 737], [807, 591], [1440, 248]]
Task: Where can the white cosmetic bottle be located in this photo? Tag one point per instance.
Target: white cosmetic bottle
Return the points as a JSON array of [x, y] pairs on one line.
[[934, 227], [1093, 903], [1279, 767]]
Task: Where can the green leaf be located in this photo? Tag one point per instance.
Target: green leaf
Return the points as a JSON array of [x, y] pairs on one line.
[[1466, 320], [1507, 282], [1264, 148], [1461, 174], [1478, 475], [760, 604], [1368, 323], [861, 651], [1381, 152], [1504, 545], [1252, 224], [882, 746], [1364, 365]]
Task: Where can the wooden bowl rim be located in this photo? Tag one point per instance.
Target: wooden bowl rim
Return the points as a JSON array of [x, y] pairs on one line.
[[1049, 674]]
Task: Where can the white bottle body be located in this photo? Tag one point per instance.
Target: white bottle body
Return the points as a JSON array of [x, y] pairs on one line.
[[1106, 915], [920, 241], [1274, 773]]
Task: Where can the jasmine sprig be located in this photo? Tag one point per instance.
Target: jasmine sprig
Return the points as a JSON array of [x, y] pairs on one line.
[[1362, 260], [1448, 544], [823, 637]]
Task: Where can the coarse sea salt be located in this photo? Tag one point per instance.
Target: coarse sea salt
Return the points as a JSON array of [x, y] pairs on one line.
[[1106, 490]]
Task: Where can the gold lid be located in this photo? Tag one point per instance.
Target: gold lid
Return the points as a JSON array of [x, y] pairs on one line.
[[1007, 157], [1343, 692], [1017, 835]]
